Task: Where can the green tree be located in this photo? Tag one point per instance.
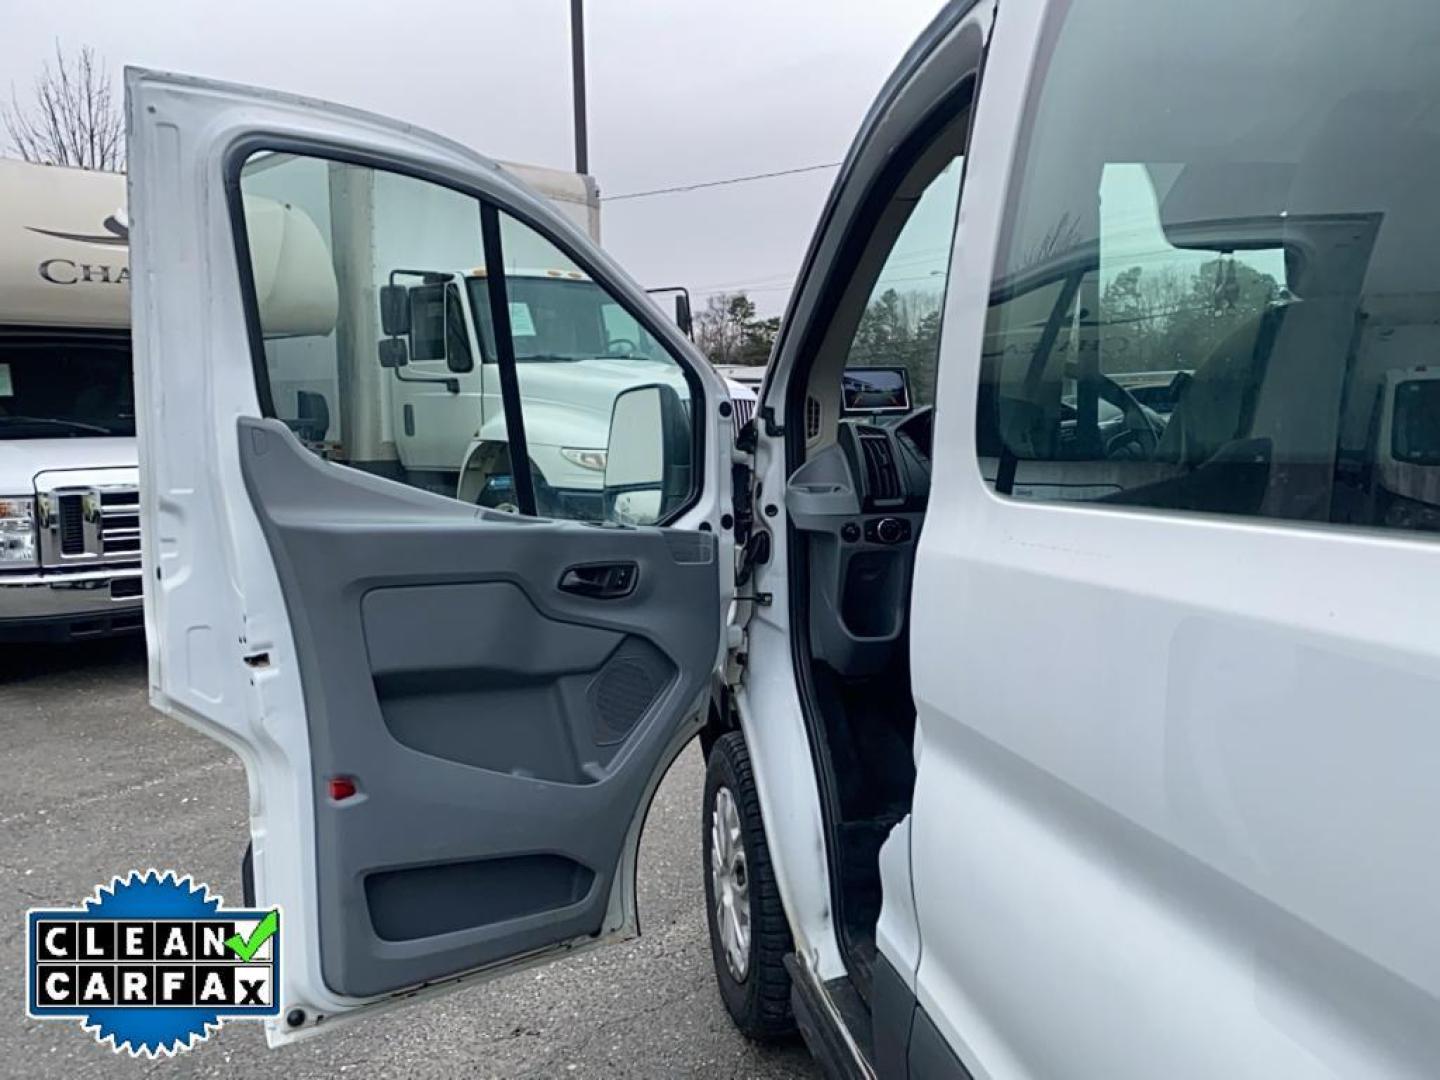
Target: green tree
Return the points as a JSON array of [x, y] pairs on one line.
[[1170, 319], [901, 330], [1224, 293], [759, 340]]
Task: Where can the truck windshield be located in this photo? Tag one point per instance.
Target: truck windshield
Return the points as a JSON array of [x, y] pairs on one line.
[[59, 389], [558, 320]]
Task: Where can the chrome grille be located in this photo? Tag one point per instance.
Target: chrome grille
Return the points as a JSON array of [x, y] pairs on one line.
[[92, 525], [72, 524], [744, 410], [120, 523]]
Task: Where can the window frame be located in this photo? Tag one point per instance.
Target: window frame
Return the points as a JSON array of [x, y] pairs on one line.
[[239, 152], [806, 324], [859, 234]]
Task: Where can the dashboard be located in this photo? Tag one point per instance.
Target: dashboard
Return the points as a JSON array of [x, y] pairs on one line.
[[859, 504]]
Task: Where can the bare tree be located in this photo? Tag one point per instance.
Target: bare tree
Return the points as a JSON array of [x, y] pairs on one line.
[[720, 327], [74, 118], [1065, 234]]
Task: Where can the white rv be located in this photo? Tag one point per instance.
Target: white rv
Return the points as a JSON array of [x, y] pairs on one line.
[[69, 512]]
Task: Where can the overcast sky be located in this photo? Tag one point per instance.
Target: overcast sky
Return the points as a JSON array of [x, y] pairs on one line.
[[681, 91]]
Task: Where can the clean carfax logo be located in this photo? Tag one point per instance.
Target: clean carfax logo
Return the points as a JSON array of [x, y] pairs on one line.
[[153, 963]]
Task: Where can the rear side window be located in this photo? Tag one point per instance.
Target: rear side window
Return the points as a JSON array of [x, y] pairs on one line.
[[1217, 288]]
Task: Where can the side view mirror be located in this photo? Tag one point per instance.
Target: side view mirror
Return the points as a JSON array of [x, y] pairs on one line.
[[647, 463], [394, 353], [683, 318], [394, 310]]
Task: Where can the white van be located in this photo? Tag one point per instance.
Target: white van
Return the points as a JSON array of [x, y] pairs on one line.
[[1050, 732]]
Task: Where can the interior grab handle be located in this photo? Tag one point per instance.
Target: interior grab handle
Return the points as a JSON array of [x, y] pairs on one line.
[[601, 581]]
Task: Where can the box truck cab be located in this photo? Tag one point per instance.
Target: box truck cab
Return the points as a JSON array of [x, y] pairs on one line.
[[575, 350], [1059, 634]]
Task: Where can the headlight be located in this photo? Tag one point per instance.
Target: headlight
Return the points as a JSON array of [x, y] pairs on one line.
[[17, 531], [594, 460]]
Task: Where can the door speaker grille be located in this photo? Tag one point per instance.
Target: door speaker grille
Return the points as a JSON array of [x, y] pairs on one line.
[[626, 688]]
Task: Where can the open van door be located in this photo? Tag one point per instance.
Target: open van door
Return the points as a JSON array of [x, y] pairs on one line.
[[452, 719]]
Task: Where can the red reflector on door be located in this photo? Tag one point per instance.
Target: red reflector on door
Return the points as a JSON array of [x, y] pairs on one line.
[[341, 787]]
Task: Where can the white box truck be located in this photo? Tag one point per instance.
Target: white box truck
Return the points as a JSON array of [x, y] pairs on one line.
[[424, 400]]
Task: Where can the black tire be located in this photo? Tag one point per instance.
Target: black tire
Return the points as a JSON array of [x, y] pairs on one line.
[[759, 1003]]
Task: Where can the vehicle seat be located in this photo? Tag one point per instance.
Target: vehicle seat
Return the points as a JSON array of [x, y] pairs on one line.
[[1217, 405]]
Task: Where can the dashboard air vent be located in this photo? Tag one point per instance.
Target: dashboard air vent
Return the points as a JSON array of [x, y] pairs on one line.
[[812, 418], [882, 476]]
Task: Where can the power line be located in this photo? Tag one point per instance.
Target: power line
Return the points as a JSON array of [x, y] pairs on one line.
[[742, 288], [719, 183]]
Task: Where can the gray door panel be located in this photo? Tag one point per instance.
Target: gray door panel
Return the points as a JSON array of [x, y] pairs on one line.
[[502, 733]]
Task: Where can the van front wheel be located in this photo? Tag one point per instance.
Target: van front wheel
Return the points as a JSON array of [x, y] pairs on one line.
[[749, 935]]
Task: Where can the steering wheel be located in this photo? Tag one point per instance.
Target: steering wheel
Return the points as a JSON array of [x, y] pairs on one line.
[[621, 347], [1139, 440]]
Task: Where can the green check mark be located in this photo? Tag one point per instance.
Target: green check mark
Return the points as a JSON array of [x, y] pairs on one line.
[[245, 948]]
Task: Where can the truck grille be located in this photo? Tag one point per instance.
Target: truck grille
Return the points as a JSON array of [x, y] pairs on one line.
[[744, 410], [72, 524], [120, 523], [90, 525]]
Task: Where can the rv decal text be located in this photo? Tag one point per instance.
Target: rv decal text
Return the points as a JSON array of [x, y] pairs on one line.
[[69, 272]]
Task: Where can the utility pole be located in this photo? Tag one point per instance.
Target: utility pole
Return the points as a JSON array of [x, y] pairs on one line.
[[577, 76]]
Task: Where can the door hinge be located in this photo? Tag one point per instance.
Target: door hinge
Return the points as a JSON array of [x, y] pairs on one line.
[[735, 654], [772, 429], [742, 502], [747, 437]]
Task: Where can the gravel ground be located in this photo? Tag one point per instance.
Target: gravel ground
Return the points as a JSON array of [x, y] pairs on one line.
[[93, 783]]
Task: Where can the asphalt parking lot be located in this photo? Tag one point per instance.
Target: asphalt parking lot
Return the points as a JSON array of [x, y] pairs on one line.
[[94, 783]]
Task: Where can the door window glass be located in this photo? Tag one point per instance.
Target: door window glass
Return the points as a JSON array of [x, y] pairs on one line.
[[1204, 306], [382, 350], [360, 382]]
